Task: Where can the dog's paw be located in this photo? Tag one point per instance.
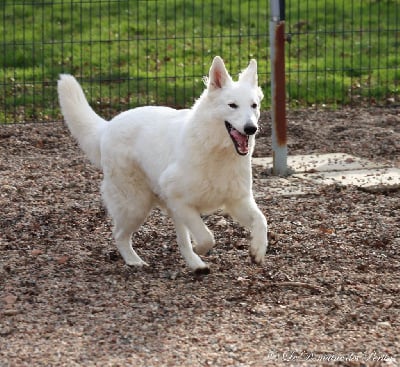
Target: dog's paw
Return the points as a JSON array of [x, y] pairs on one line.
[[202, 245], [202, 250], [137, 264], [257, 255]]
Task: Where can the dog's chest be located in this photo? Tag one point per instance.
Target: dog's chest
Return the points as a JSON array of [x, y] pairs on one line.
[[216, 186], [207, 185]]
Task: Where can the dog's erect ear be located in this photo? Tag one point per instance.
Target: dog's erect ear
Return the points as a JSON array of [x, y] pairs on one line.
[[218, 76], [249, 75]]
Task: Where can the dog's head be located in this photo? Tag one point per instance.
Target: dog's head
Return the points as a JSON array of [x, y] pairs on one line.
[[237, 104]]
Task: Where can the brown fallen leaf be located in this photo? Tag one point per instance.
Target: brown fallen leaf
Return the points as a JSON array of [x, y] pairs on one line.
[[37, 252], [10, 300], [326, 230], [63, 259]]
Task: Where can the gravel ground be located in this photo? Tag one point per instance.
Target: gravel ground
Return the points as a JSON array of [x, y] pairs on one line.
[[327, 295]]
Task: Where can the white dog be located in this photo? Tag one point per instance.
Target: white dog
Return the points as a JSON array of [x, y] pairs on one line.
[[187, 162]]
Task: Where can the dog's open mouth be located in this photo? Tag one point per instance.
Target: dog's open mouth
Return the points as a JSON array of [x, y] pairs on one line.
[[240, 141]]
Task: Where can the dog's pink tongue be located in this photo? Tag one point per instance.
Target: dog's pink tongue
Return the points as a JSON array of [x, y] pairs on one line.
[[241, 141]]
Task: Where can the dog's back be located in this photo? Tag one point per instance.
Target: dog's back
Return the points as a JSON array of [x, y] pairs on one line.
[[148, 138]]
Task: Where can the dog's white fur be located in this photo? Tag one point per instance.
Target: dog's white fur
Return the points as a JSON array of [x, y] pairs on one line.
[[184, 161]]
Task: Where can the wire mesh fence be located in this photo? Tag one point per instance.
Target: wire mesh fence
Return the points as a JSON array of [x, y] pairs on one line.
[[343, 52], [135, 52]]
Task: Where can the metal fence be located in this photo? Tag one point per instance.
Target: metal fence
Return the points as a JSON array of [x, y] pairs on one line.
[[134, 52]]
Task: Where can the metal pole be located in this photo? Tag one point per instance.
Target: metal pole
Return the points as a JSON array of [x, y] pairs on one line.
[[278, 110]]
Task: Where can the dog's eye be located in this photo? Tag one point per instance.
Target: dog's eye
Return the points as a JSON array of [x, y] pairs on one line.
[[233, 105], [254, 105]]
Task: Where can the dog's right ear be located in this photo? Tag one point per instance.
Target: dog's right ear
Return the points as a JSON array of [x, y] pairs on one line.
[[218, 76]]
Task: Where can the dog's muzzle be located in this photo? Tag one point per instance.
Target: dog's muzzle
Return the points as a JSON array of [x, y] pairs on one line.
[[241, 141]]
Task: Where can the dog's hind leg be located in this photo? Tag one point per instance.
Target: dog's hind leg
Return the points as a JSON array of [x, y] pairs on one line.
[[247, 213], [128, 214], [124, 245]]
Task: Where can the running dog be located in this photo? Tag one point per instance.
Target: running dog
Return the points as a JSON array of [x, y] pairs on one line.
[[188, 162]]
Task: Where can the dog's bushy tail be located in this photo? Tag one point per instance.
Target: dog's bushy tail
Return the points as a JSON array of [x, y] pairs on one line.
[[85, 125]]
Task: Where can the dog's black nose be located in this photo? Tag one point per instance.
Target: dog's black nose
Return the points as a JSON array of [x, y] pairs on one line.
[[250, 129]]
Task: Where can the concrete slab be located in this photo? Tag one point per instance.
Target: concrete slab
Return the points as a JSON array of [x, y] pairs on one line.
[[321, 163], [333, 168], [373, 180]]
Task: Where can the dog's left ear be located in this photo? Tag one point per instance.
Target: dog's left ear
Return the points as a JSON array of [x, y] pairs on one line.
[[249, 75]]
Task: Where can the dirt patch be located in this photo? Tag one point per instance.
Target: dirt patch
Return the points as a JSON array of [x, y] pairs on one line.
[[328, 293]]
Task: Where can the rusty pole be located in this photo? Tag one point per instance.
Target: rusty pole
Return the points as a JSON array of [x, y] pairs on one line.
[[278, 110]]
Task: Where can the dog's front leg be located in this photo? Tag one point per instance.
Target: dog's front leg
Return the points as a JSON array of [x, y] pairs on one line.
[[188, 221], [247, 213]]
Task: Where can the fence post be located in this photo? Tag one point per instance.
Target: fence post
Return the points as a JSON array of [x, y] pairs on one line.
[[278, 109]]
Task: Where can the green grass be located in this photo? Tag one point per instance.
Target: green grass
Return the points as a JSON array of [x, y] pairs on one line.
[[343, 51], [129, 52]]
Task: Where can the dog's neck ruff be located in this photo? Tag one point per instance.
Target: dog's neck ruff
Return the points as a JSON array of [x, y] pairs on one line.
[[240, 141]]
